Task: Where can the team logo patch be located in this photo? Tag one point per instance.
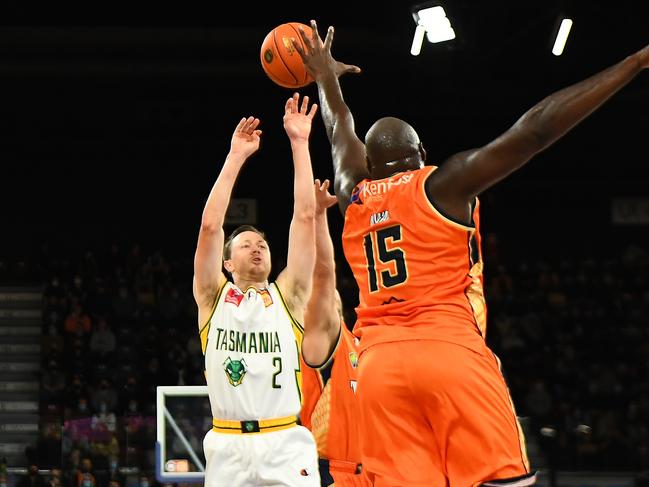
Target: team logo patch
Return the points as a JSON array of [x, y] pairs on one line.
[[234, 296], [235, 370], [353, 359], [356, 195], [268, 299]]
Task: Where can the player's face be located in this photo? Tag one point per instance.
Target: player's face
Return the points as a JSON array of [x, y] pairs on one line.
[[250, 256]]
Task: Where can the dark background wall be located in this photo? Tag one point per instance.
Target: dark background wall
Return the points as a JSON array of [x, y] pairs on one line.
[[116, 117]]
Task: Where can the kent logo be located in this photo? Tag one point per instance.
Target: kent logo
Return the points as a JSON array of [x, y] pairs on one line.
[[378, 188], [235, 370]]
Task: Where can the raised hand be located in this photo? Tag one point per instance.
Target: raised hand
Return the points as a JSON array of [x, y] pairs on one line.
[[317, 55], [298, 119], [323, 199], [246, 137]]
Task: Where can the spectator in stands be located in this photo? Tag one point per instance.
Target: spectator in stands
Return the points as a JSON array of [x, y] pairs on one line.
[[78, 322], [124, 305], [32, 479], [52, 383], [106, 395], [99, 302], [102, 340], [49, 445], [77, 290], [56, 477], [85, 476]]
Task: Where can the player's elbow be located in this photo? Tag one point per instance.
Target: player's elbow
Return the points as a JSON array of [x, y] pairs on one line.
[[304, 213], [316, 349], [324, 273], [210, 226], [536, 129]]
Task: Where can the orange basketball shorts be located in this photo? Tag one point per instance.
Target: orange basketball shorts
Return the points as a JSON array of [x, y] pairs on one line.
[[437, 414]]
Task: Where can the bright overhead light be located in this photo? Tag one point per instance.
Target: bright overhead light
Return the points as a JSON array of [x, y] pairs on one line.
[[562, 37], [435, 23], [418, 40]]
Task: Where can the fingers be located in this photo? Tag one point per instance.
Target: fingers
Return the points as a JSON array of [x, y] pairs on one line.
[[305, 104], [297, 46], [294, 102], [329, 39], [315, 36], [312, 112], [240, 125], [350, 68], [247, 125], [308, 43], [321, 187], [252, 126]]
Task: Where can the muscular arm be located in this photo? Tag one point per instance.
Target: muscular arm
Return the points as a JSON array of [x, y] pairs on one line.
[[347, 151], [295, 280], [465, 175], [322, 319], [208, 276]]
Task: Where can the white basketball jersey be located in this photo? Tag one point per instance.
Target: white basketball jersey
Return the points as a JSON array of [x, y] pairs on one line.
[[252, 346]]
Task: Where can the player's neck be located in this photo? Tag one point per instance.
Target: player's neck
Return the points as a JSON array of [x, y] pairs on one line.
[[243, 283]]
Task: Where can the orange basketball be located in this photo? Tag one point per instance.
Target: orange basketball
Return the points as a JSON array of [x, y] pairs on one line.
[[281, 62]]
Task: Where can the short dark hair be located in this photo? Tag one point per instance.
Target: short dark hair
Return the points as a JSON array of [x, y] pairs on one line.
[[227, 247]]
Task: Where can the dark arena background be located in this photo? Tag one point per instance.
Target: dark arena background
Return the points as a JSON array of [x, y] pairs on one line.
[[115, 119]]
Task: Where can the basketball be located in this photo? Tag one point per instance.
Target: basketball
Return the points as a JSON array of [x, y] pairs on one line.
[[281, 62]]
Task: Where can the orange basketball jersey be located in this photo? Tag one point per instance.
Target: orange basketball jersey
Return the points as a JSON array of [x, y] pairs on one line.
[[335, 417], [419, 272], [312, 387]]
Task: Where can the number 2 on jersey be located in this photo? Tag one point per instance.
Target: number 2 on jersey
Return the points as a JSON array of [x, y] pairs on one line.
[[385, 256], [277, 362]]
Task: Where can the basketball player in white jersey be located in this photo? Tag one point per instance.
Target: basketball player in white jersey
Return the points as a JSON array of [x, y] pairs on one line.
[[250, 330]]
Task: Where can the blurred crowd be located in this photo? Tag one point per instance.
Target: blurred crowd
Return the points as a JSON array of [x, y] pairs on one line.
[[115, 325], [572, 335]]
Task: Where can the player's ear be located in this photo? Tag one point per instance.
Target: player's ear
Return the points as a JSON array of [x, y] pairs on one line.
[[227, 264], [368, 163], [422, 151]]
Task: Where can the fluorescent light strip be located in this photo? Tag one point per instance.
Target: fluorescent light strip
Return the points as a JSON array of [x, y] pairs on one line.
[[562, 37], [418, 40]]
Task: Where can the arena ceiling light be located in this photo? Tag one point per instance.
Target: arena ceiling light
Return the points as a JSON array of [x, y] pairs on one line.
[[432, 21], [562, 36]]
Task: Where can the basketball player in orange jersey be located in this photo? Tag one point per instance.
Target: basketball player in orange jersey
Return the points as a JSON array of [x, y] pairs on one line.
[[435, 410], [334, 418]]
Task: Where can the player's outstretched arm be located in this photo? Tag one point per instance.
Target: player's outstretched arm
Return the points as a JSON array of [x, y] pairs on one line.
[[347, 150], [208, 276], [467, 174], [295, 281], [322, 318]]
